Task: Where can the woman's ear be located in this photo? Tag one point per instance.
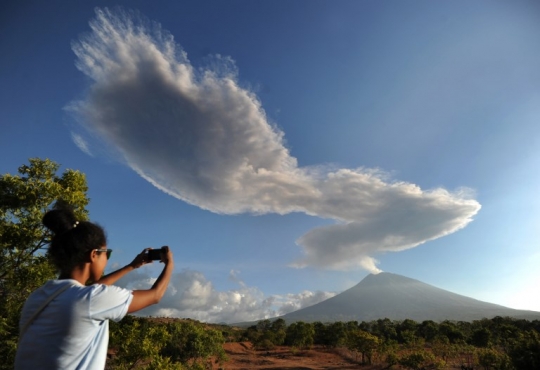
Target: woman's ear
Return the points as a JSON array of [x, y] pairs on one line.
[[93, 255]]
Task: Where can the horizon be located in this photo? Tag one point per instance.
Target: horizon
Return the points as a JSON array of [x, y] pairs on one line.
[[286, 151], [365, 311]]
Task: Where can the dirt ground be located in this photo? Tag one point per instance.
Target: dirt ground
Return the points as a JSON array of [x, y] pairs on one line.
[[243, 357]]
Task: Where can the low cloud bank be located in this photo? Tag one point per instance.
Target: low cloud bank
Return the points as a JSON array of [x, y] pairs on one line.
[[198, 135], [191, 295]]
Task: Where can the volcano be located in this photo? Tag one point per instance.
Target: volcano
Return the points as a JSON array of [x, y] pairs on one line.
[[397, 297]]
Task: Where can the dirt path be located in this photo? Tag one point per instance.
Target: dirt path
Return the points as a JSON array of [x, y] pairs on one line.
[[243, 357]]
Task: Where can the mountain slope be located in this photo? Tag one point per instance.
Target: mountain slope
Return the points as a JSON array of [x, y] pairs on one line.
[[397, 297]]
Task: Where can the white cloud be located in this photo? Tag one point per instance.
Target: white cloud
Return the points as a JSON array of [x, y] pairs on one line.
[[81, 143], [191, 295], [199, 136], [294, 302]]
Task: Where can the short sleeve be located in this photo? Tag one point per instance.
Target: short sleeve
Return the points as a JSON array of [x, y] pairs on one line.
[[109, 302]]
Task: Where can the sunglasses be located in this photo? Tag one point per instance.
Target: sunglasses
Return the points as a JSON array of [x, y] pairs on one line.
[[108, 251]]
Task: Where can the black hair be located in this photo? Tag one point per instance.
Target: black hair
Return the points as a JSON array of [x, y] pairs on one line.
[[72, 239]]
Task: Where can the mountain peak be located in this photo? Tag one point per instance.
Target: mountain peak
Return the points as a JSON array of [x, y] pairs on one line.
[[385, 277], [397, 297]]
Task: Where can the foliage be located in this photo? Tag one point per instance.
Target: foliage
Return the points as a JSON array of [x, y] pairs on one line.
[[142, 343], [428, 330], [135, 341], [183, 343], [362, 342], [192, 344], [300, 335], [417, 360], [481, 338], [330, 335], [24, 266], [251, 334], [279, 329], [452, 331], [490, 358], [267, 334], [525, 351], [498, 343], [385, 328]]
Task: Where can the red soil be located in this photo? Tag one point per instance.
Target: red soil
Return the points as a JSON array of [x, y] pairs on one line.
[[242, 356]]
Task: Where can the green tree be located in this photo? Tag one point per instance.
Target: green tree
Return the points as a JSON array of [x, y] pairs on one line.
[[481, 338], [136, 340], [268, 334], [417, 360], [452, 332], [385, 328], [319, 336], [335, 334], [428, 329], [362, 342], [279, 330], [264, 325], [24, 266], [525, 351], [490, 358], [251, 334], [192, 344], [300, 335]]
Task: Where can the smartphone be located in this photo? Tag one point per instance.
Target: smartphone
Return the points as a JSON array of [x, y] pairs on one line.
[[154, 254]]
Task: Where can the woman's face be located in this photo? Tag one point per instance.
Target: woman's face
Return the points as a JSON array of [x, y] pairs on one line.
[[99, 261]]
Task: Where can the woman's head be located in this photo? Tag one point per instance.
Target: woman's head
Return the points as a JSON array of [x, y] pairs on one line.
[[73, 240]]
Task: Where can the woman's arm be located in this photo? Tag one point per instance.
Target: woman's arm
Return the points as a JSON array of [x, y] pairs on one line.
[[145, 298], [111, 278]]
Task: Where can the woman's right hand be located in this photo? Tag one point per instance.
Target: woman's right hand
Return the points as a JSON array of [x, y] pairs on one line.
[[166, 255], [145, 298]]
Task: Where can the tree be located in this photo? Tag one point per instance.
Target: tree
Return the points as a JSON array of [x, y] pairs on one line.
[[481, 338], [136, 341], [525, 352], [385, 328], [320, 333], [300, 335], [267, 334], [192, 344], [335, 334], [452, 332], [428, 330], [279, 330], [362, 342], [417, 360], [489, 358], [24, 266]]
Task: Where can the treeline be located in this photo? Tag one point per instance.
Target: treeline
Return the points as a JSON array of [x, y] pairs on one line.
[[500, 343]]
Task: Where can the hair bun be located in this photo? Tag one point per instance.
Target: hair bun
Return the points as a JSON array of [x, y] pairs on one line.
[[60, 220]]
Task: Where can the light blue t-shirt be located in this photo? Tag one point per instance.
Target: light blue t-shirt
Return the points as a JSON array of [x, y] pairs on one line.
[[72, 332]]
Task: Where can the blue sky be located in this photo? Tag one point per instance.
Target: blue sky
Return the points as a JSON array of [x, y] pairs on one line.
[[285, 150]]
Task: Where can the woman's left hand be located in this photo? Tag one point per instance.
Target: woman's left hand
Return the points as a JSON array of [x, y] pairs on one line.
[[140, 259]]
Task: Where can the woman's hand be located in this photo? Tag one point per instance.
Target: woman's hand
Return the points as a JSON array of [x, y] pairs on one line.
[[145, 298], [166, 255], [141, 259]]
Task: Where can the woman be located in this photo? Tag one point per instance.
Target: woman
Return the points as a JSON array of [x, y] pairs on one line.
[[64, 324]]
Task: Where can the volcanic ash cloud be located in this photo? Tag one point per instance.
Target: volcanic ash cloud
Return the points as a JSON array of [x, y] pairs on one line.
[[199, 136]]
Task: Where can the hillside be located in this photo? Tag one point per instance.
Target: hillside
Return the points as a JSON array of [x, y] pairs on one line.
[[397, 297]]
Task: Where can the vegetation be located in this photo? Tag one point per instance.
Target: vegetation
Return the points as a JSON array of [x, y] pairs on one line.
[[144, 343], [148, 343], [499, 343], [24, 199]]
